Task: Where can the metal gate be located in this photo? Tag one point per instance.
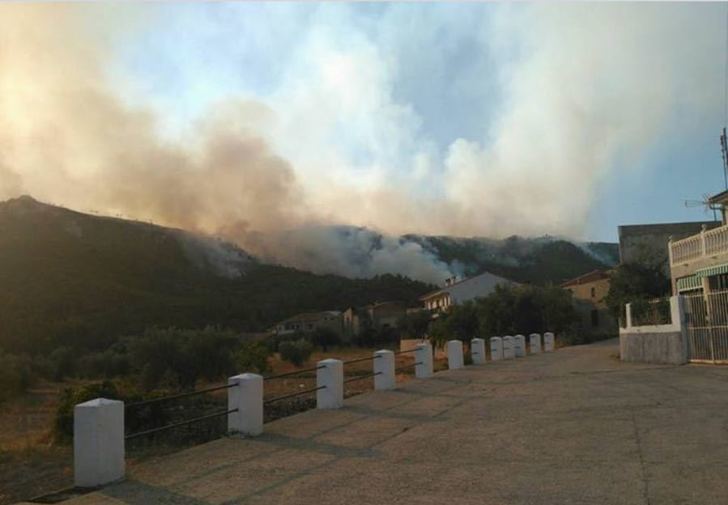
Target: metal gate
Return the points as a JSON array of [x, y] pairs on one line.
[[707, 325]]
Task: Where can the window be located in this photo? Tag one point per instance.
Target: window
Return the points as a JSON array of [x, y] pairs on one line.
[[594, 318], [593, 292]]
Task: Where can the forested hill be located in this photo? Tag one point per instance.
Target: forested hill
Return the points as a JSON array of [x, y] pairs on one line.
[[542, 260], [79, 280]]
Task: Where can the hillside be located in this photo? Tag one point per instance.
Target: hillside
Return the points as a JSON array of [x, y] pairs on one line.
[[531, 260], [68, 278]]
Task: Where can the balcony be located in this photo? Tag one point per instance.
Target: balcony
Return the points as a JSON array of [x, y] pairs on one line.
[[704, 245]]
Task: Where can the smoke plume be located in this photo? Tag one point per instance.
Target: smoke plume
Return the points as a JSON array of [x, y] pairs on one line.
[[584, 92]]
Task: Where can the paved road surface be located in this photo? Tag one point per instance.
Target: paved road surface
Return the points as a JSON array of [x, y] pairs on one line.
[[572, 427]]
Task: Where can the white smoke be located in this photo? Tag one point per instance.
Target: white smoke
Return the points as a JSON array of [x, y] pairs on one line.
[[575, 93]]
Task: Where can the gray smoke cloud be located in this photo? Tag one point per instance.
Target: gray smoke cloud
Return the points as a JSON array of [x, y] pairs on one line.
[[586, 90]]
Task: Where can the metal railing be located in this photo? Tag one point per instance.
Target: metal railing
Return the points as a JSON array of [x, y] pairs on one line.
[[164, 399]]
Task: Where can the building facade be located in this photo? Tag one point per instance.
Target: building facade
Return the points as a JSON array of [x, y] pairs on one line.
[[457, 291], [647, 244], [699, 263], [589, 292], [378, 316], [308, 322]]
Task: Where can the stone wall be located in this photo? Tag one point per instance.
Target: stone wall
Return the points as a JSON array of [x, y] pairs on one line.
[[660, 348]]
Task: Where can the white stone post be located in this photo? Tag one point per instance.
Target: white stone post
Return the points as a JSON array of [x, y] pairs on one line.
[[454, 354], [423, 356], [496, 348], [628, 315], [508, 350], [519, 345], [548, 342], [477, 351], [535, 341], [98, 442], [330, 375], [384, 366], [246, 395]]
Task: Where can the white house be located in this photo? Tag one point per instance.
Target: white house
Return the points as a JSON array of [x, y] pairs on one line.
[[458, 291]]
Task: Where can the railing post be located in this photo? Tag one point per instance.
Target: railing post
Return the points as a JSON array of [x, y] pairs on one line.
[[496, 348], [519, 345], [535, 343], [384, 366], [548, 342], [508, 351], [669, 250], [477, 351], [423, 356], [330, 377], [454, 354], [98, 442], [628, 315], [702, 239], [246, 395]]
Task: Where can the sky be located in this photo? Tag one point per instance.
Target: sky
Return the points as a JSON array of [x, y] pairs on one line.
[[263, 122]]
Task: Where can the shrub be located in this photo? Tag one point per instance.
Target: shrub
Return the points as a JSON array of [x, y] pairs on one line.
[[325, 337], [63, 422], [178, 358], [15, 375], [295, 351], [253, 357]]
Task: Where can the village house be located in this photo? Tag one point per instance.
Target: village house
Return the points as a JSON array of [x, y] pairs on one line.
[[699, 263], [310, 321], [589, 292], [377, 316], [458, 291]]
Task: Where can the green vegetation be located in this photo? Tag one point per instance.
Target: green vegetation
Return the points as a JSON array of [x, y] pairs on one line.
[[295, 351], [508, 311], [636, 284], [72, 284], [16, 375], [540, 261]]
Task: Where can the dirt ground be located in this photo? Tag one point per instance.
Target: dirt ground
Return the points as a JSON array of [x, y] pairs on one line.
[[32, 465]]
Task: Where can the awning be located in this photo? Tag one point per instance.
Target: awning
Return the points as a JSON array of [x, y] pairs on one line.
[[689, 283], [711, 271]]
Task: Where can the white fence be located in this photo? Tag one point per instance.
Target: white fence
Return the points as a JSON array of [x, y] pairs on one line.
[[99, 439], [705, 243]]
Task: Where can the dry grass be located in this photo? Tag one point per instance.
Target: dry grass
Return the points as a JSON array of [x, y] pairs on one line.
[[31, 465]]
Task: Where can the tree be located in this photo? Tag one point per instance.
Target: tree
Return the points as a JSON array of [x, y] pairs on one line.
[[295, 351], [253, 357], [525, 309], [414, 324], [631, 282], [324, 337]]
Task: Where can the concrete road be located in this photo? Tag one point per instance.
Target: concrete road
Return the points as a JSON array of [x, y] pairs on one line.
[[572, 427]]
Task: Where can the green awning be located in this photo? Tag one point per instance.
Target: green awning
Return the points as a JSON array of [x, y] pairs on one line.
[[710, 271], [688, 283]]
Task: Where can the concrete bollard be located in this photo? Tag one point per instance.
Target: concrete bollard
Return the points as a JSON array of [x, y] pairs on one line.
[[508, 351], [496, 348], [98, 442], [423, 356], [384, 366], [331, 376], [477, 351], [455, 354], [535, 341], [548, 342], [247, 396], [519, 345]]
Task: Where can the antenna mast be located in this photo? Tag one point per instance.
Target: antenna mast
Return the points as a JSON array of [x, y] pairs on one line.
[[724, 154]]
